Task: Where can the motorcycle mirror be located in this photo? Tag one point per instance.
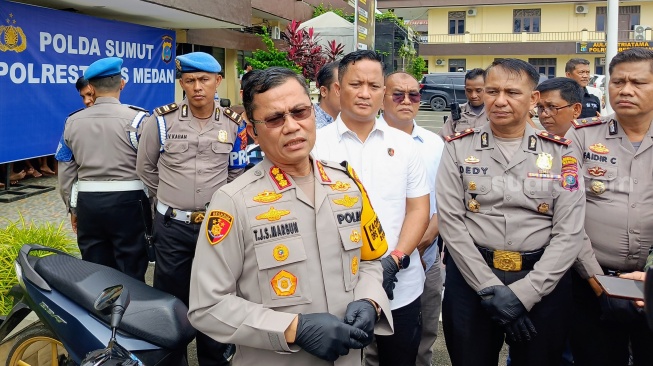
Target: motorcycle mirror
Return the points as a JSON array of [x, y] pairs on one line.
[[108, 297]]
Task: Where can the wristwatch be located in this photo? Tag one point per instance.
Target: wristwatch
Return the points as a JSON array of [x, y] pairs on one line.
[[404, 260]]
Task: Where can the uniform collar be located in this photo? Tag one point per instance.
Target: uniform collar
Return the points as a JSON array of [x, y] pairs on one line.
[[342, 129], [467, 109], [106, 100], [185, 114]]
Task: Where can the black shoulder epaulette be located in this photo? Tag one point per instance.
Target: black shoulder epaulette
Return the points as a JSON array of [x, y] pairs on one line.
[[458, 135], [235, 117], [333, 165], [165, 109], [585, 122], [138, 108], [81, 109], [555, 138]]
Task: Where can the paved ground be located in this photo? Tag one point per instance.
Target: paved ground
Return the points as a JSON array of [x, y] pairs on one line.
[[48, 207]]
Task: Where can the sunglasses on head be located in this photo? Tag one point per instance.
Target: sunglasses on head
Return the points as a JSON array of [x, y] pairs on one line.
[[399, 97]]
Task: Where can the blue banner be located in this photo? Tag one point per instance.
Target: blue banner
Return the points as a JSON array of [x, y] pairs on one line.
[[44, 51]]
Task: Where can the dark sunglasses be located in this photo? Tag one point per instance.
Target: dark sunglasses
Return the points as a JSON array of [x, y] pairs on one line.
[[399, 97], [277, 120]]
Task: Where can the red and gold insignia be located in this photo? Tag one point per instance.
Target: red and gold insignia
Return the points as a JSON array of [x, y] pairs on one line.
[[569, 170], [218, 226], [596, 171], [554, 138], [267, 197], [323, 175], [284, 283], [346, 201], [280, 178], [354, 265], [280, 252], [242, 135], [458, 135], [273, 214], [355, 236], [599, 148], [340, 186]]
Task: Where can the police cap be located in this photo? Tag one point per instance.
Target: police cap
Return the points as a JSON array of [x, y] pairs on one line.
[[103, 68], [198, 62]]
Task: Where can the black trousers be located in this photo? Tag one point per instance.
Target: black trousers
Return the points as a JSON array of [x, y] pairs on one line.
[[175, 243], [400, 348], [597, 342], [111, 230], [473, 339]]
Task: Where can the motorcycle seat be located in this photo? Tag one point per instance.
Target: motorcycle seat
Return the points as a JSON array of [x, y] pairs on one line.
[[152, 315]]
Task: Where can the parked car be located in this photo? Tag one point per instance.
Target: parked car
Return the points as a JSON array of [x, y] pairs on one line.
[[441, 89], [597, 81]]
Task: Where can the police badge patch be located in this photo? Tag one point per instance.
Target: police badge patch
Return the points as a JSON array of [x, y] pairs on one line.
[[218, 226]]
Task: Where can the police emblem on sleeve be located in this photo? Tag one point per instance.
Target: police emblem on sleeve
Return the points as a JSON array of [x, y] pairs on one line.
[[218, 226]]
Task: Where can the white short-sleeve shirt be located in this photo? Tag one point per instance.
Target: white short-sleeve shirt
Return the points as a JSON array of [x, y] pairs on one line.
[[391, 169]]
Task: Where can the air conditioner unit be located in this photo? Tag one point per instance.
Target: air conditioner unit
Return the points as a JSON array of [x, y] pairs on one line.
[[639, 33], [439, 61], [471, 12], [582, 9], [276, 33]]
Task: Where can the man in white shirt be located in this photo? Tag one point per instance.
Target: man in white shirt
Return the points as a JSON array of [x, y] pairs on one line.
[[388, 163], [400, 106]]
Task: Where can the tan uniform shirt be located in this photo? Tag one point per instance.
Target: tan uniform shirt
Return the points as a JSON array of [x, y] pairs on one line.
[[468, 119], [619, 191], [195, 160], [517, 212], [99, 140], [281, 255]]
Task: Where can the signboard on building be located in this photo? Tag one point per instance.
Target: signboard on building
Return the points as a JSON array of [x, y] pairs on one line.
[[364, 24], [600, 47], [44, 51]]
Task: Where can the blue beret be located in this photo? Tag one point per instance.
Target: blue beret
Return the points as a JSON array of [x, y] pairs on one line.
[[103, 68], [198, 62]]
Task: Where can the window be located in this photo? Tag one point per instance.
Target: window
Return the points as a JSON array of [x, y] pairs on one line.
[[601, 16], [544, 66], [456, 22], [526, 20], [457, 65], [599, 65], [629, 17]]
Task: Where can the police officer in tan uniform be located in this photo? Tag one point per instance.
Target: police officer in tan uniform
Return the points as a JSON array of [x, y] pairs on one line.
[[188, 151], [98, 148], [472, 113], [515, 233], [286, 264], [616, 160]]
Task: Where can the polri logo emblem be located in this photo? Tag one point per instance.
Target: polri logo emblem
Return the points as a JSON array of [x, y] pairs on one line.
[[166, 52], [12, 37]]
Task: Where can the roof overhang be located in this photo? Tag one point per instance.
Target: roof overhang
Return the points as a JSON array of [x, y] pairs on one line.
[[189, 14]]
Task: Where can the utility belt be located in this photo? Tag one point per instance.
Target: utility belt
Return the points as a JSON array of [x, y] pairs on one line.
[[187, 217], [510, 261], [613, 272], [109, 185]]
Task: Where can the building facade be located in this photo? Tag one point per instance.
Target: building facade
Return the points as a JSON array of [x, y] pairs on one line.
[[471, 33]]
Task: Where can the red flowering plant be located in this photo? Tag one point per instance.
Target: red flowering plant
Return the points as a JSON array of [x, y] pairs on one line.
[[305, 51]]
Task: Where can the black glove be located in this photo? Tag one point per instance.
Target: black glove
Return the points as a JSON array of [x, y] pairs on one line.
[[325, 336], [620, 310], [502, 304], [522, 329], [361, 314], [390, 270]]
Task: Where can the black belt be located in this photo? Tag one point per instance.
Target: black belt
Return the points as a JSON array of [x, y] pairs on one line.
[[510, 261], [612, 272]]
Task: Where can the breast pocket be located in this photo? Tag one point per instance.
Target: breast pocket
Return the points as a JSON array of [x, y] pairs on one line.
[[221, 147], [600, 181], [283, 276], [540, 194], [175, 152], [477, 189], [352, 240]]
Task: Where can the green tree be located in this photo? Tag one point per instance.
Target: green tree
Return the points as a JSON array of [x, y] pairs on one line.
[[417, 68], [262, 59]]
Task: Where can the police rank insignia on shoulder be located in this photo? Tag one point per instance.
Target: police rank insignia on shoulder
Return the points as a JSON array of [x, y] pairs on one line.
[[555, 138], [218, 226], [165, 109], [323, 175], [235, 117], [458, 135], [585, 122]]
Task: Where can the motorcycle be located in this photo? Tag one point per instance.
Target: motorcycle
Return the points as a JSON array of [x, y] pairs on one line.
[[129, 323]]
